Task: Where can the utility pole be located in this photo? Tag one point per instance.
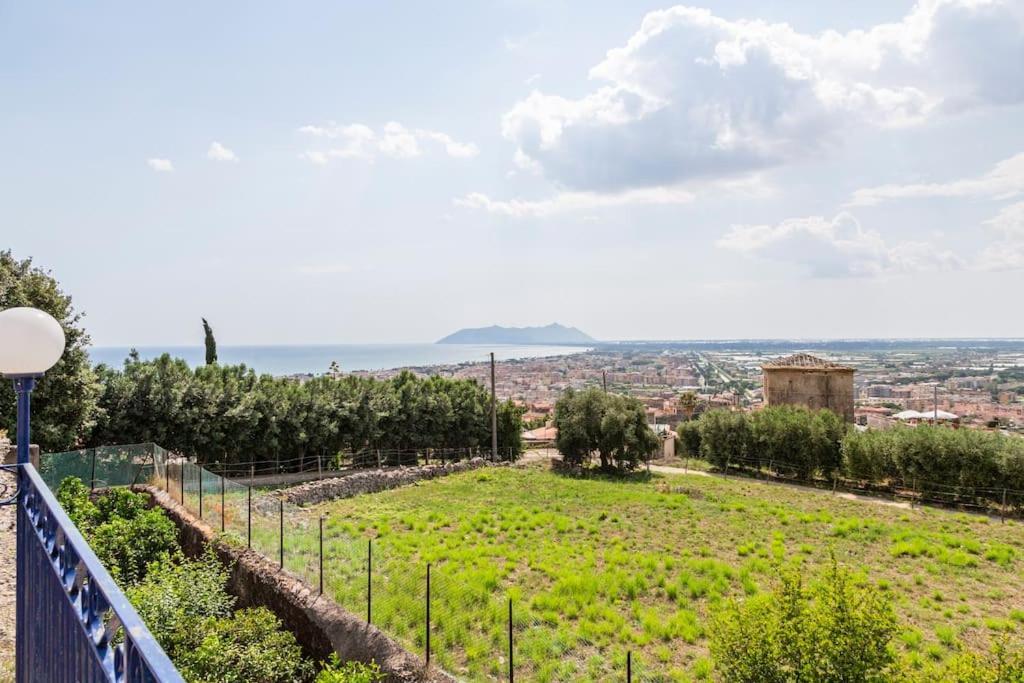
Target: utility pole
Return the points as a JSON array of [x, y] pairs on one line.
[[494, 415], [604, 380]]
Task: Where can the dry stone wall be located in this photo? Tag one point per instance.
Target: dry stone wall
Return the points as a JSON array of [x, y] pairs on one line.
[[374, 481]]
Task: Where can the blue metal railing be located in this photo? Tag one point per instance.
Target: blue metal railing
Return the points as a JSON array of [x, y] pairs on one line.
[[74, 625]]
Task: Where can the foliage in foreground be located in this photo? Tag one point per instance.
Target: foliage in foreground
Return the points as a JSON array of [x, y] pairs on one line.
[[832, 630], [336, 671], [125, 534], [613, 426], [184, 602]]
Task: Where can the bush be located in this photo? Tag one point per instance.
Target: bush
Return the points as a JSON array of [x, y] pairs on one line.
[[248, 647], [335, 671], [175, 598], [833, 630], [124, 533], [1001, 665]]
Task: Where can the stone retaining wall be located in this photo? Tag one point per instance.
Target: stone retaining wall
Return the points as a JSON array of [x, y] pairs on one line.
[[374, 481], [319, 624]]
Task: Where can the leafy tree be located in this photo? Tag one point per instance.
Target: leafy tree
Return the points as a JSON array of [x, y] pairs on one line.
[[64, 406], [510, 430], [688, 404], [689, 437], [615, 427], [832, 630], [725, 437], [210, 343]]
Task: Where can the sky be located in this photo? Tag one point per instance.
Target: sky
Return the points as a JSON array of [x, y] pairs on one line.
[[329, 172]]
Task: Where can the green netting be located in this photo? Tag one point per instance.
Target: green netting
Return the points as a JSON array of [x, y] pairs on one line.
[[104, 466]]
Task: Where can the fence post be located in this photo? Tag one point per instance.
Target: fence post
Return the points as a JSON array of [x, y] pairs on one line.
[[252, 475], [181, 471], [321, 554], [369, 580], [200, 491], [1002, 509], [167, 476], [629, 666], [280, 531], [378, 459], [835, 483], [248, 516], [914, 490], [319, 468], [428, 614], [511, 666], [222, 502], [92, 475]]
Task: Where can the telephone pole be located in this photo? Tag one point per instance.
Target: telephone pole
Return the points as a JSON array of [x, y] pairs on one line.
[[604, 380], [494, 416]]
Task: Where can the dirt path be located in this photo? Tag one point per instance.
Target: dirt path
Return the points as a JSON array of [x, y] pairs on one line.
[[7, 542]]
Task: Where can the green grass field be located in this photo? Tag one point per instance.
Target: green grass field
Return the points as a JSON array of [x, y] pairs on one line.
[[596, 567]]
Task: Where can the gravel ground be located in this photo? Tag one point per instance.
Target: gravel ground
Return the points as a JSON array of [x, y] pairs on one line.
[[6, 581]]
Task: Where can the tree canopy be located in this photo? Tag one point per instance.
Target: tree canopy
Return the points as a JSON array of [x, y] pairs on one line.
[[64, 407], [615, 427]]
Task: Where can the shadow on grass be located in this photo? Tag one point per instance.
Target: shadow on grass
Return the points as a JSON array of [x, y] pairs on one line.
[[597, 473]]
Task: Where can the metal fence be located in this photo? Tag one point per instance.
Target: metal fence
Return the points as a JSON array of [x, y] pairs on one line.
[[73, 624]]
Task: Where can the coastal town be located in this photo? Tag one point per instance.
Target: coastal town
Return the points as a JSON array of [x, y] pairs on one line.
[[973, 385]]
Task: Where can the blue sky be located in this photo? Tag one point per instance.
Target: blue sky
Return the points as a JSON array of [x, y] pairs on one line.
[[360, 172]]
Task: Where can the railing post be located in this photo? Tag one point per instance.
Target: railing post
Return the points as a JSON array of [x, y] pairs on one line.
[[428, 614], [248, 517], [369, 580], [222, 501]]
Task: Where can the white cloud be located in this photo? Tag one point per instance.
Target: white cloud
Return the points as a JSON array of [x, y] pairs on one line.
[[219, 152], [1004, 181], [692, 94], [565, 202], [1006, 253], [359, 141], [160, 165], [839, 247]]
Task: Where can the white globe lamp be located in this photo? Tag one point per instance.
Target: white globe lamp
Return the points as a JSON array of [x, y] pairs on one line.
[[31, 342]]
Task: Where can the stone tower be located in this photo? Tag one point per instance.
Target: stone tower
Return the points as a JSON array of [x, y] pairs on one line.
[[806, 380]]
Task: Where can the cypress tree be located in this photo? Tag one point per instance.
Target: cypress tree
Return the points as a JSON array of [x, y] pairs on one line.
[[211, 343]]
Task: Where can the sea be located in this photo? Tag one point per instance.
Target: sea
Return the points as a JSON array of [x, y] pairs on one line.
[[296, 360]]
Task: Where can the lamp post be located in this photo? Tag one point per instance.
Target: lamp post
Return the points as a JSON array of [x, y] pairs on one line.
[[31, 342]]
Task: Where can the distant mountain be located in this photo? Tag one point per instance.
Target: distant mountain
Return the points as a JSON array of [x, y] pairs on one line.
[[549, 334]]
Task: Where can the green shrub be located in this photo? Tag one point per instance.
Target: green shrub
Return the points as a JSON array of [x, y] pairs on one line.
[[833, 630], [248, 647], [175, 598], [122, 530], [73, 496], [335, 671]]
